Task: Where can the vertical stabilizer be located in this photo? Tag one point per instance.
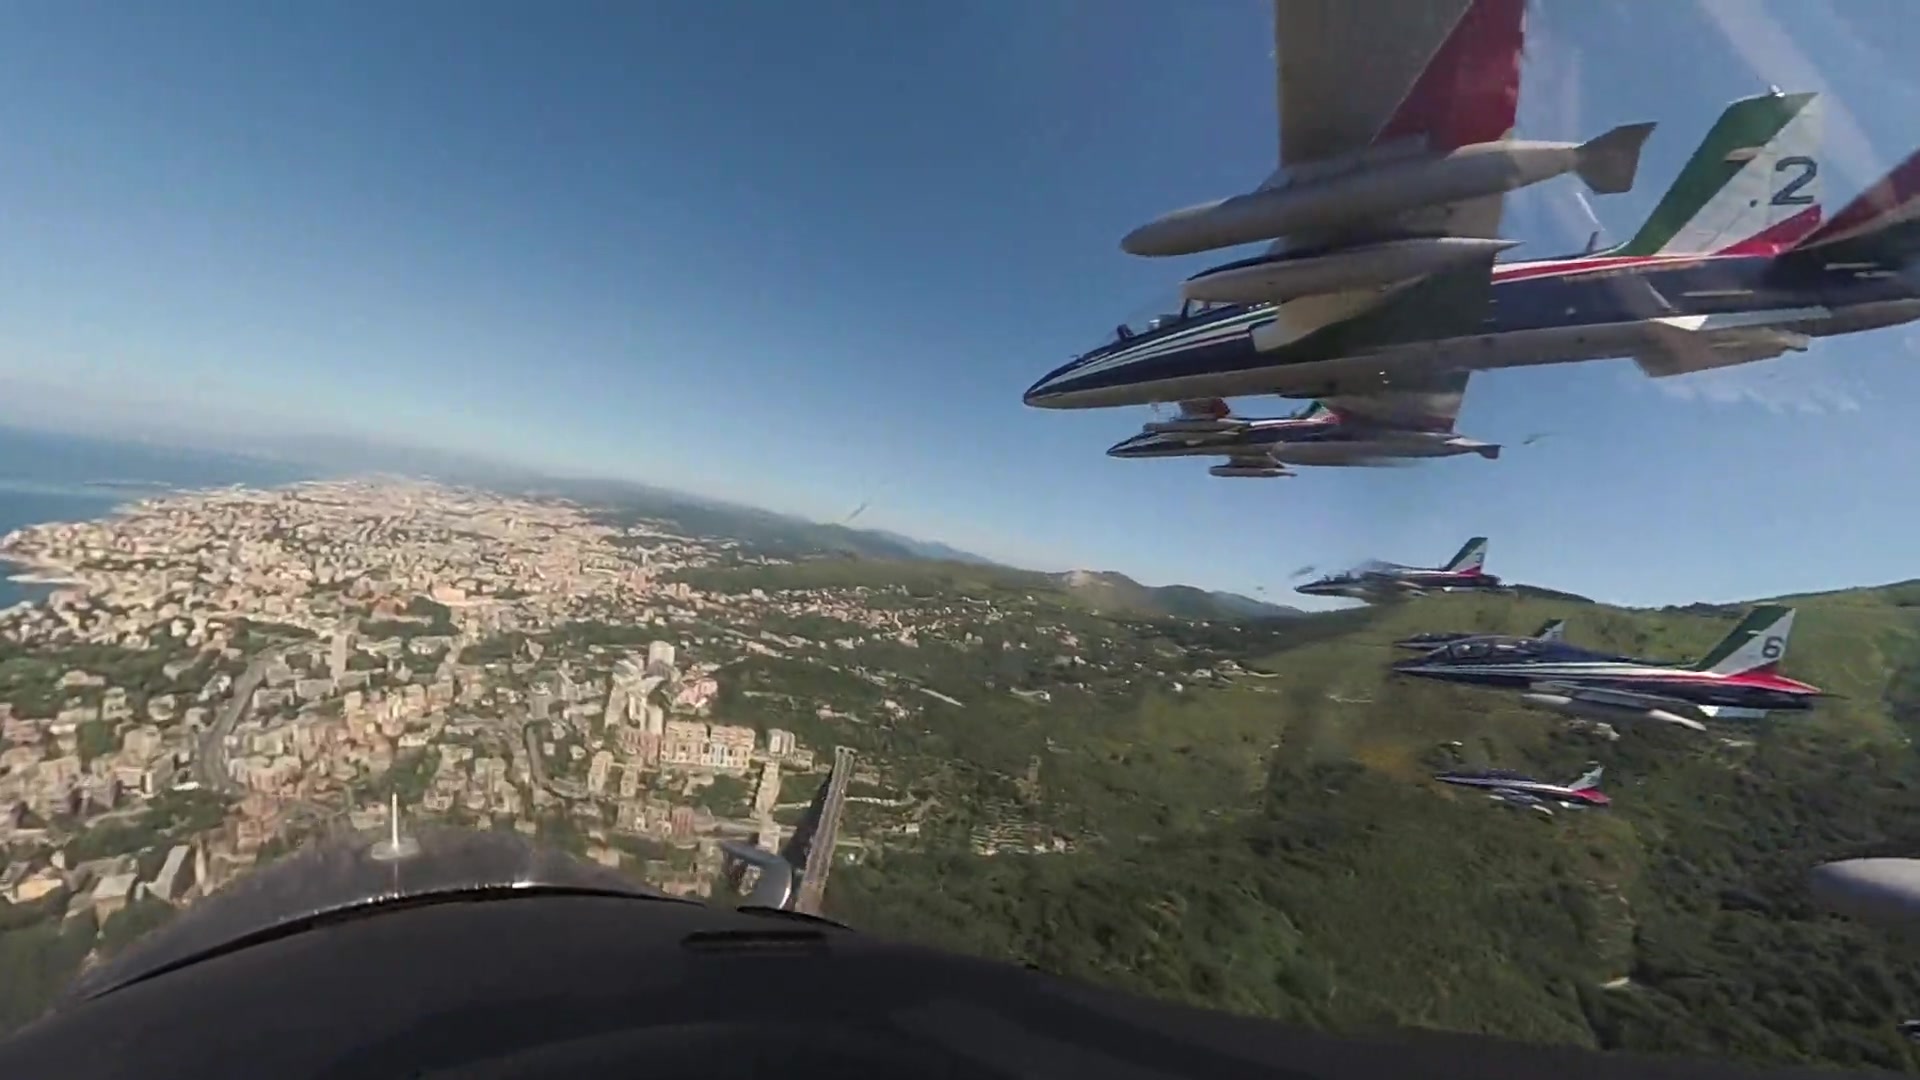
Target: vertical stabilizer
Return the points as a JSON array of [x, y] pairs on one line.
[[1471, 557], [1752, 187], [1552, 630], [1760, 641], [1589, 779]]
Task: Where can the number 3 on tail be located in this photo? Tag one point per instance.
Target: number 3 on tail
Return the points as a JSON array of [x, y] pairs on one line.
[[1804, 170], [1772, 647]]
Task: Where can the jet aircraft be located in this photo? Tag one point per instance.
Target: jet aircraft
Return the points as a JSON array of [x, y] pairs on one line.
[[1376, 581], [1738, 680], [1551, 630], [1362, 431], [1517, 790], [1733, 266]]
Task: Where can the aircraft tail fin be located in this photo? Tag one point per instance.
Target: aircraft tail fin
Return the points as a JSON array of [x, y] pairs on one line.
[[1752, 186], [1758, 643], [1608, 164], [1589, 779], [1552, 630], [1471, 557], [1882, 223]]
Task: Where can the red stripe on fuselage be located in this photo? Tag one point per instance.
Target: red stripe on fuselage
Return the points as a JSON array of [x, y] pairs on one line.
[[1765, 678], [1469, 92], [1589, 264], [1777, 238]]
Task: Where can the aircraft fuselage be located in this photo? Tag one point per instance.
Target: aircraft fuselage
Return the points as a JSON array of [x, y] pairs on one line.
[[1555, 311], [1310, 441], [1377, 585], [1628, 680], [1523, 789]]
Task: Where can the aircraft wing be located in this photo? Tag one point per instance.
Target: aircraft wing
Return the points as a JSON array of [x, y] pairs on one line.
[[1389, 78], [1605, 696], [1253, 459], [1431, 404], [1627, 699]]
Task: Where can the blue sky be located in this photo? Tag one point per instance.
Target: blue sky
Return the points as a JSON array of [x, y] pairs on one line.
[[810, 255]]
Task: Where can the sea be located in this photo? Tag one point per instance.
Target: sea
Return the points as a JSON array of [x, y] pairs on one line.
[[55, 477]]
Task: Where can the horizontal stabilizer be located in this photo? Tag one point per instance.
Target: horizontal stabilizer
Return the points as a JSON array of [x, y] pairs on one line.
[[1608, 164]]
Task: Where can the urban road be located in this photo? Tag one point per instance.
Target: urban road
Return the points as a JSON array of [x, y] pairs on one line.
[[212, 759]]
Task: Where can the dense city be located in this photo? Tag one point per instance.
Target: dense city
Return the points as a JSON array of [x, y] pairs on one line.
[[259, 663], [213, 678]]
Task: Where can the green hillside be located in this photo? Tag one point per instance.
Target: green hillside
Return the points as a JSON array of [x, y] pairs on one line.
[[1275, 845], [1100, 592]]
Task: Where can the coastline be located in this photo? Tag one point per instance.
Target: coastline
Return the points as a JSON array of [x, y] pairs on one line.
[[49, 478], [49, 580], [27, 580]]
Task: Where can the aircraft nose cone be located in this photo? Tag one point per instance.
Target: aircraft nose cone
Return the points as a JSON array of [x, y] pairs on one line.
[[1046, 391], [1884, 891]]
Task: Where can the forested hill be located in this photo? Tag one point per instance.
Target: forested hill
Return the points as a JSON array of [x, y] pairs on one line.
[[1105, 593], [1273, 843]]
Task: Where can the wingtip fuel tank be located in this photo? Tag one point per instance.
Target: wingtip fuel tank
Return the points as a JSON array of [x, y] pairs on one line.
[[1333, 198], [1288, 276], [1256, 471]]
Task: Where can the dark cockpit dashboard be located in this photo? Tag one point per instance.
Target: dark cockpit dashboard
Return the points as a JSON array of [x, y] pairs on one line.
[[480, 955]]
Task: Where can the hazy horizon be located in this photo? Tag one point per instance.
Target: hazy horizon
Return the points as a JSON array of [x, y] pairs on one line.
[[772, 258]]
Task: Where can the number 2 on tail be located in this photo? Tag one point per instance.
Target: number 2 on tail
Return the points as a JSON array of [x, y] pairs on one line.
[[1789, 195]]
